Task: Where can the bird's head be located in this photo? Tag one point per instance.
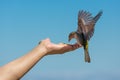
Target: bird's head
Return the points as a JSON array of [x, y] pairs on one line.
[[71, 35]]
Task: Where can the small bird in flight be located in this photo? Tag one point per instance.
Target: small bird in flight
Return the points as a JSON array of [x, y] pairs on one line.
[[85, 30]]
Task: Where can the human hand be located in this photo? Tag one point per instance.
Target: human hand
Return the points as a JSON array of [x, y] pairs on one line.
[[60, 48]]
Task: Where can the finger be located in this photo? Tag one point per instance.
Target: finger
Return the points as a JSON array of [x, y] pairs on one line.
[[62, 43], [76, 44], [47, 40], [71, 47]]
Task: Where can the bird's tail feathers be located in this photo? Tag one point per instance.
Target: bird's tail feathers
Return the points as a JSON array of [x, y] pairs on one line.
[[87, 57]]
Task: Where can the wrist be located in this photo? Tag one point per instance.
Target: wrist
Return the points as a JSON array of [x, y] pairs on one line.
[[42, 49]]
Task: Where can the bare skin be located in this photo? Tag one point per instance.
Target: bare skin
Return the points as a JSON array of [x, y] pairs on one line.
[[16, 69]]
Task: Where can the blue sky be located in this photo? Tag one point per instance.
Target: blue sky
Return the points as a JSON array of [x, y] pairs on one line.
[[23, 23]]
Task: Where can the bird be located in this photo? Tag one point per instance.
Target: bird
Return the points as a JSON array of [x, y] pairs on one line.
[[85, 30]]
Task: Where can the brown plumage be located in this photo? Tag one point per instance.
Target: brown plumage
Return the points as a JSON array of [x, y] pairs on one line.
[[85, 30]]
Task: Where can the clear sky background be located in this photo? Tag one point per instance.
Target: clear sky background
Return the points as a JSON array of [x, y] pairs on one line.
[[23, 23]]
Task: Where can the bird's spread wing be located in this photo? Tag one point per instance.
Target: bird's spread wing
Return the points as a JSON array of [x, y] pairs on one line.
[[91, 25], [86, 23], [95, 19], [84, 18]]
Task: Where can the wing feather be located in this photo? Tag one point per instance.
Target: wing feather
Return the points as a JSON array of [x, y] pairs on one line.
[[86, 23], [84, 18], [91, 25]]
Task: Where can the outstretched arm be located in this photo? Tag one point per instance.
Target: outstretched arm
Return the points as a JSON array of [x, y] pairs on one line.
[[19, 67]]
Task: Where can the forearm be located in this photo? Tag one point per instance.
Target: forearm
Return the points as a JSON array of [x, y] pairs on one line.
[[17, 68]]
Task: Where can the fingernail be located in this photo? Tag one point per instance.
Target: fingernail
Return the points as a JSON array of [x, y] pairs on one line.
[[39, 42]]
